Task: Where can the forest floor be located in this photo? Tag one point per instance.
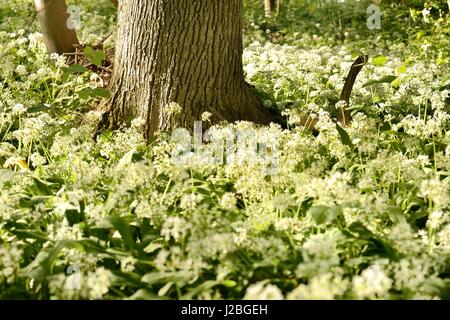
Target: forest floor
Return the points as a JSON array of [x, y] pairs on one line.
[[360, 212]]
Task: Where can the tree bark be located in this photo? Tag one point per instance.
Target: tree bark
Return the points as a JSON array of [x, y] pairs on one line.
[[272, 6], [53, 18], [188, 52]]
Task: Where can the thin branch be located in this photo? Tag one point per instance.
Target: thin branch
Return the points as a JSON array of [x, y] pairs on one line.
[[344, 115]]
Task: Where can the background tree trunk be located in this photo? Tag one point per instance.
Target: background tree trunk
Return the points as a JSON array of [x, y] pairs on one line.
[[53, 18], [188, 52], [278, 6], [272, 6]]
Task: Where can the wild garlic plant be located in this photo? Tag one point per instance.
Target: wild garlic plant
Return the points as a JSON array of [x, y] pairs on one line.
[[362, 214]]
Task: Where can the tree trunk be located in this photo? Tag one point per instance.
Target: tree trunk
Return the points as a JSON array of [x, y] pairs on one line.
[[279, 4], [53, 18], [188, 52], [272, 6]]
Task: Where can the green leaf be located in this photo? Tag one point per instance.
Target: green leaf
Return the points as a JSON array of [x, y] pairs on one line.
[[29, 234], [396, 214], [42, 266], [75, 68], [380, 245], [144, 294], [401, 69], [40, 188], [318, 213], [5, 176], [379, 61], [39, 108], [163, 291], [100, 92], [182, 277], [385, 79], [345, 138], [89, 92], [324, 214], [36, 269], [396, 83], [127, 158], [130, 279], [360, 231], [229, 283], [385, 126], [152, 247], [205, 286], [333, 213], [200, 288], [85, 93], [123, 227], [94, 56]]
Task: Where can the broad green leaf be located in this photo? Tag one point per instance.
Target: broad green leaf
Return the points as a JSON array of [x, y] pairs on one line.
[[345, 138], [42, 265], [40, 188], [75, 68], [164, 277], [333, 213], [144, 294], [29, 234], [382, 246], [205, 286], [396, 214], [127, 158], [385, 79], [200, 288], [379, 61], [126, 278], [324, 214], [123, 227], [152, 247], [85, 93], [396, 83], [5, 176], [94, 56], [385, 126], [401, 69], [318, 213], [229, 283], [100, 92], [163, 291], [93, 93]]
